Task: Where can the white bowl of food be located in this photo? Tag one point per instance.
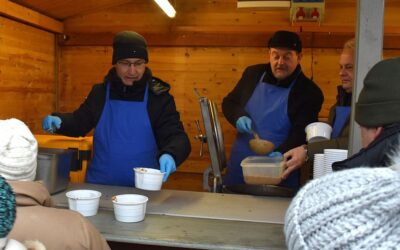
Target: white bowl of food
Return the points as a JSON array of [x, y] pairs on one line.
[[148, 178], [129, 207], [84, 201], [318, 131]]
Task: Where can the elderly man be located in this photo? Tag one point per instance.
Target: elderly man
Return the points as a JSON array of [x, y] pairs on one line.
[[275, 100], [339, 119], [378, 113]]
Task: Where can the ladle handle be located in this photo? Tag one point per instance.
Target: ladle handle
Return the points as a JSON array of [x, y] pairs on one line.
[[255, 135]]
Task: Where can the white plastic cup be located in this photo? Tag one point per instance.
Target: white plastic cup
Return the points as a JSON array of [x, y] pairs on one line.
[[148, 178], [129, 207], [318, 131], [85, 202]]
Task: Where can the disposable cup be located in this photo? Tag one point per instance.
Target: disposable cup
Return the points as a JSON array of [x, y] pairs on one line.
[[83, 201], [148, 178], [129, 207], [318, 131]]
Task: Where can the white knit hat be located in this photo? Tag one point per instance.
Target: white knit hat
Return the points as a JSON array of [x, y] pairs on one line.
[[18, 151], [351, 209]]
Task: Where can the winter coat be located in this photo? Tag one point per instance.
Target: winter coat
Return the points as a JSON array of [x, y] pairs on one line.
[[342, 141], [55, 228], [377, 153], [165, 120], [304, 104]]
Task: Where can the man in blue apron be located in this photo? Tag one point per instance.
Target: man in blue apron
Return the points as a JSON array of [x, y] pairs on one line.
[[275, 100], [135, 119], [339, 119]]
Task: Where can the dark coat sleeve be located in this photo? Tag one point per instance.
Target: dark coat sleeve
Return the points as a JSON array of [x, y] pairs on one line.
[[168, 129], [305, 102], [85, 118], [233, 104]]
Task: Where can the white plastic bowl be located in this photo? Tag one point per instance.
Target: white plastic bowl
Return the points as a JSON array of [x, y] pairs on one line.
[[318, 131], [129, 207], [148, 178], [85, 202]]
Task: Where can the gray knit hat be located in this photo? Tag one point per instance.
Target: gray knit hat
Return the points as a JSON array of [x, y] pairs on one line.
[[351, 209], [129, 44], [379, 101], [7, 208]]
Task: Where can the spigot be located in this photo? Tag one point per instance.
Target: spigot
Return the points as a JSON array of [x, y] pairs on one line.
[[200, 136]]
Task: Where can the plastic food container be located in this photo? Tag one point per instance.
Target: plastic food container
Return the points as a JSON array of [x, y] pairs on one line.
[[83, 201], [148, 178], [129, 207], [318, 131], [260, 170]]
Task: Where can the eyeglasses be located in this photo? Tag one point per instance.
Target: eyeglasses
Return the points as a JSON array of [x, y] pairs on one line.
[[125, 65]]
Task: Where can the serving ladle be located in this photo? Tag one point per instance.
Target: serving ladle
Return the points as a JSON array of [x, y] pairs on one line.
[[260, 146]]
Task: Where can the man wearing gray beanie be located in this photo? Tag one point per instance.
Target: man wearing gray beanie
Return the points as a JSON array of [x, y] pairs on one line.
[[377, 112], [133, 115]]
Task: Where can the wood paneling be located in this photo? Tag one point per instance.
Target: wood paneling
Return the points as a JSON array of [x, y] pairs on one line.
[[26, 15], [213, 71], [27, 73]]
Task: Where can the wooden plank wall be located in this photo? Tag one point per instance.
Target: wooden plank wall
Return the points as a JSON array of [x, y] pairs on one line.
[[27, 72], [207, 46]]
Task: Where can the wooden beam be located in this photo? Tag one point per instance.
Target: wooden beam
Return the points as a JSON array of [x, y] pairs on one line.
[[230, 39], [30, 17]]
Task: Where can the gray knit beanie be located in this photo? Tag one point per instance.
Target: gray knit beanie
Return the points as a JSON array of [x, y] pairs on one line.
[[379, 101], [7, 208], [129, 44], [351, 209]]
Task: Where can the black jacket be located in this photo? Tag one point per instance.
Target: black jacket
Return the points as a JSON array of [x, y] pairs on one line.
[[377, 154], [304, 104], [165, 120], [341, 142]]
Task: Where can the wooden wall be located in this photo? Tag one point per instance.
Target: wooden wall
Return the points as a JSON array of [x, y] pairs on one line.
[[207, 46], [27, 72]]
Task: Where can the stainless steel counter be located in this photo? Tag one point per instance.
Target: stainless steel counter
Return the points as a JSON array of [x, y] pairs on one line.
[[197, 220]]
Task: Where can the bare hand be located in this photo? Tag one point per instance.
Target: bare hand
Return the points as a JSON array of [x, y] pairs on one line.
[[294, 159]]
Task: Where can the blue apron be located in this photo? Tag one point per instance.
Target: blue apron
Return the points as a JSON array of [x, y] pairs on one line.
[[342, 114], [123, 139], [267, 108]]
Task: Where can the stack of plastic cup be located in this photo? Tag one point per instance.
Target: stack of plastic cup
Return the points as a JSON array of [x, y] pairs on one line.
[[331, 156], [319, 168]]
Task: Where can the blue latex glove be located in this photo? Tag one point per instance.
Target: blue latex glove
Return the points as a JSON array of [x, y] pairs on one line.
[[51, 123], [275, 154], [167, 165], [243, 124]]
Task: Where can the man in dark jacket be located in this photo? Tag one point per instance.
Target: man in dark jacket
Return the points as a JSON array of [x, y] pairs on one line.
[[135, 119], [377, 111], [339, 119], [275, 100]]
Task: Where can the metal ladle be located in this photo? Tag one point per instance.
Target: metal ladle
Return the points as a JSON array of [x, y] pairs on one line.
[[260, 146]]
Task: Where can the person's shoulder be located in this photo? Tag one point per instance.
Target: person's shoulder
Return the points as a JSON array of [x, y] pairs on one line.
[[256, 67], [158, 86], [309, 84]]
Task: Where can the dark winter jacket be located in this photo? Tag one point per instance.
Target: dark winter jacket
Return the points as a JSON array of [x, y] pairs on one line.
[[165, 120], [304, 104], [378, 152], [341, 142]]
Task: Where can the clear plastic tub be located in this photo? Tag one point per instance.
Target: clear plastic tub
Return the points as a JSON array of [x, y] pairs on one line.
[[259, 170]]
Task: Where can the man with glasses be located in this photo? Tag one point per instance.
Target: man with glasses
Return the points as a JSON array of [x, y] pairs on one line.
[[275, 100], [134, 116]]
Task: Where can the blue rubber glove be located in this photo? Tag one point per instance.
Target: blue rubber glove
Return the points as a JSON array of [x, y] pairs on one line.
[[51, 123], [243, 124], [275, 154], [167, 165]]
